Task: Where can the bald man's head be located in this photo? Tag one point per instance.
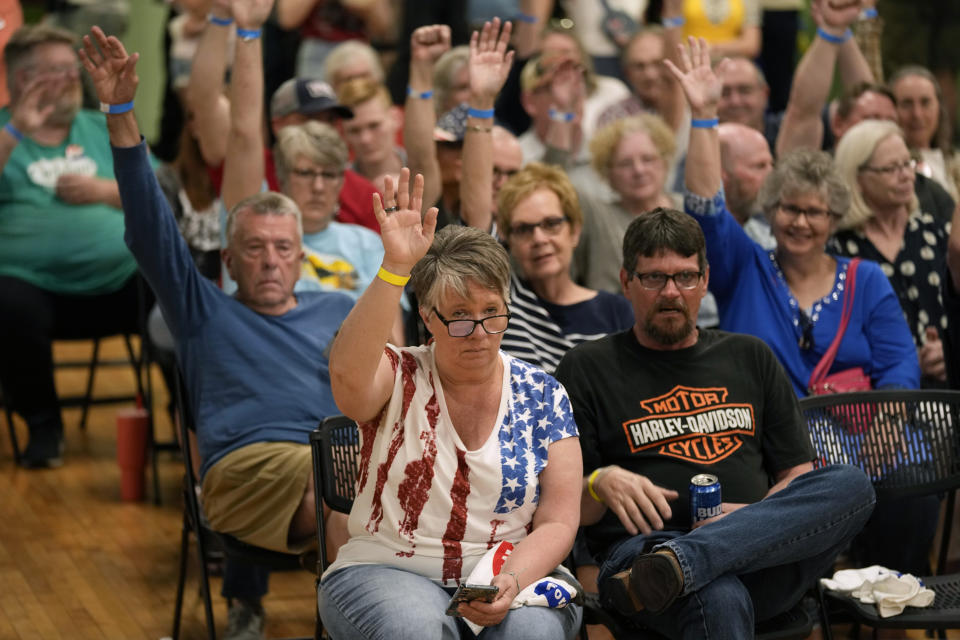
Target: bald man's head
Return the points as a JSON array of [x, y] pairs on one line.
[[745, 161]]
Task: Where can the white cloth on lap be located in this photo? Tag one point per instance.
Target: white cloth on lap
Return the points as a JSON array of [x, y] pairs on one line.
[[556, 590], [890, 590]]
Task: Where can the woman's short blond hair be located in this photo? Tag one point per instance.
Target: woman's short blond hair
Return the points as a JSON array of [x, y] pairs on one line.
[[853, 153], [318, 142], [457, 256], [605, 141], [533, 177]]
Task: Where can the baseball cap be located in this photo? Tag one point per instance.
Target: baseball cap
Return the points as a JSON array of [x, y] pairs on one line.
[[306, 96], [452, 126]]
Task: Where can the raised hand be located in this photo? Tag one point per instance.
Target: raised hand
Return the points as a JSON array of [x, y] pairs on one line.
[[405, 236], [114, 72], [30, 112], [568, 87], [490, 62], [250, 14], [838, 14], [701, 85], [428, 43]]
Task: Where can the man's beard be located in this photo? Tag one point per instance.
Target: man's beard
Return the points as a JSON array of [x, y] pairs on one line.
[[671, 333], [65, 108]]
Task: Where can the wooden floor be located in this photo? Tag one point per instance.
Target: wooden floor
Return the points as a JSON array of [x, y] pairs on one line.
[[76, 562]]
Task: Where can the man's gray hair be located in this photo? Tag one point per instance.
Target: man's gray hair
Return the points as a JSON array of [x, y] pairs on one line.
[[17, 55], [459, 254], [268, 203]]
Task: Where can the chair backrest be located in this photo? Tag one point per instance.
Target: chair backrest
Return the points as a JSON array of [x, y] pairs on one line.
[[336, 454], [907, 441]]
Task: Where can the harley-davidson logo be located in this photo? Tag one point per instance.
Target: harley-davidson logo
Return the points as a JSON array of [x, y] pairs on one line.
[[695, 424]]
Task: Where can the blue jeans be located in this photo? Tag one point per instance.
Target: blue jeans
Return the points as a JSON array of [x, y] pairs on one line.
[[756, 562], [372, 601]]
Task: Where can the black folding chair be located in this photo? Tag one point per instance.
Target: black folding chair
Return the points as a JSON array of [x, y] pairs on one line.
[[207, 539], [336, 452], [908, 443]]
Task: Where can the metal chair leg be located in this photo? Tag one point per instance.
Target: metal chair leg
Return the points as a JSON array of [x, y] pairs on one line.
[[87, 397]]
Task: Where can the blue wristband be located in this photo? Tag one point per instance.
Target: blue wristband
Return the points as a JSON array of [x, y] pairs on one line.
[[832, 39], [12, 130], [115, 109], [479, 113], [220, 22], [705, 123], [869, 13], [560, 116], [248, 34], [670, 23], [423, 95], [526, 17]]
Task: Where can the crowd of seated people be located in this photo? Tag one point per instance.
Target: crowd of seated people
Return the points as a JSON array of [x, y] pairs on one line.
[[551, 220]]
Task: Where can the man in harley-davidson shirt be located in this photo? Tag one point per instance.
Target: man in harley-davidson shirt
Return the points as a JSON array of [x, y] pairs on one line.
[[664, 401]]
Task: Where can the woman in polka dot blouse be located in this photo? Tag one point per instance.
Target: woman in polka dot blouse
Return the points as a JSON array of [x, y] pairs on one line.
[[885, 224]]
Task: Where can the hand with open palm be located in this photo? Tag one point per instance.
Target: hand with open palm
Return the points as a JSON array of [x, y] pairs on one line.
[[406, 237], [701, 84], [113, 71], [490, 62]]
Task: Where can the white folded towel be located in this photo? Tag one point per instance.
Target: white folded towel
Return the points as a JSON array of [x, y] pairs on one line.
[[890, 590]]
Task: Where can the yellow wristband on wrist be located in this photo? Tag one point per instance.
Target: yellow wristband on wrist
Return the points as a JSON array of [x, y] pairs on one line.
[[392, 278], [590, 481]]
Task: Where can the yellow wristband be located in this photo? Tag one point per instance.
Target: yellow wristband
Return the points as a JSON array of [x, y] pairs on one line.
[[590, 481], [392, 278]]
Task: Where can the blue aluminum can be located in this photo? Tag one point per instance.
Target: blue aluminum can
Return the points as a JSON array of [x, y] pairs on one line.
[[705, 500]]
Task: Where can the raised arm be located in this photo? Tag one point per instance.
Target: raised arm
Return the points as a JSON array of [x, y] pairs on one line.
[[702, 88], [672, 109], [243, 166], [427, 44], [526, 37], [292, 13], [114, 75], [361, 375], [802, 126], [205, 97], [488, 66]]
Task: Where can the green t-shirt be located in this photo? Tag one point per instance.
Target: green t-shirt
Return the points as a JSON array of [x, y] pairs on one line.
[[61, 247]]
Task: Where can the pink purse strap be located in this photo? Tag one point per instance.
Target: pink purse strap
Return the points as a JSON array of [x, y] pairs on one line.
[[823, 367]]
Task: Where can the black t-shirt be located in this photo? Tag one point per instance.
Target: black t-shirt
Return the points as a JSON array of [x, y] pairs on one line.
[[723, 406]]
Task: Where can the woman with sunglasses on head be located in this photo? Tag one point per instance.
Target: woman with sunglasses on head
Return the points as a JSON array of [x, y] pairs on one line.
[[791, 297], [463, 448], [885, 224]]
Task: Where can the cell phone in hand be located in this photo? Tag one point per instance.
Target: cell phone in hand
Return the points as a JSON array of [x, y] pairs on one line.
[[470, 592]]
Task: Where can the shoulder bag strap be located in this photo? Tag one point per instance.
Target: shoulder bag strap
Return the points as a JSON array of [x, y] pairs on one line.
[[823, 367]]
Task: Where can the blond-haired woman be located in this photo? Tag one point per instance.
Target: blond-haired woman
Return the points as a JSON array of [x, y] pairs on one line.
[[540, 220], [633, 156], [885, 224]]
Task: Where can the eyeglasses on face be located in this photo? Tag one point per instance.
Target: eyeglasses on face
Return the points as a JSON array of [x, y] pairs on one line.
[[892, 168], [551, 226], [463, 328], [310, 175], [57, 69], [657, 280], [810, 213]]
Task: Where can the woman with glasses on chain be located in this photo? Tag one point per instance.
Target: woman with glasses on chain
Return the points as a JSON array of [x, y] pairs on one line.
[[885, 224], [463, 447], [791, 297]]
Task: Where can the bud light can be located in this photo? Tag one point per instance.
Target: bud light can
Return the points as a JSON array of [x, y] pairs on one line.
[[705, 500]]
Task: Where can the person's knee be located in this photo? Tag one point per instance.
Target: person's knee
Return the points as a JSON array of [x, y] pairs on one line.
[[725, 600], [850, 483]]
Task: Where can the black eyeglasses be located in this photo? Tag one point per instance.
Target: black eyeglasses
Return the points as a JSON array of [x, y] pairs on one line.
[[810, 213], [551, 226], [463, 328], [656, 280]]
